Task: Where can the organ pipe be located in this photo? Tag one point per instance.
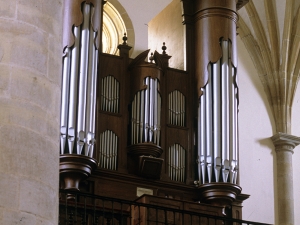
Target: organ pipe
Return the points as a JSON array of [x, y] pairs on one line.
[[217, 122], [108, 150], [65, 99], [110, 94], [176, 108], [176, 163], [145, 116], [208, 130], [79, 82]]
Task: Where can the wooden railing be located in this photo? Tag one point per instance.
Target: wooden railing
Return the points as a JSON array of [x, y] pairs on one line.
[[77, 208]]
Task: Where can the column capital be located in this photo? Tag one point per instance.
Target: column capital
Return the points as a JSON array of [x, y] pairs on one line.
[[285, 142]]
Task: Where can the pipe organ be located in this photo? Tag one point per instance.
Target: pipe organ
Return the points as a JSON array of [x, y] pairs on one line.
[[110, 94], [157, 128], [108, 150], [145, 116], [176, 163], [79, 83], [176, 102], [217, 122]]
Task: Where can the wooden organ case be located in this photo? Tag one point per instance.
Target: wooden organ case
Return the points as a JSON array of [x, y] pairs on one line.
[[147, 124]]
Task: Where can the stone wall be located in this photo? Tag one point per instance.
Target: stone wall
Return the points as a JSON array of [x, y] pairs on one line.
[[30, 81]]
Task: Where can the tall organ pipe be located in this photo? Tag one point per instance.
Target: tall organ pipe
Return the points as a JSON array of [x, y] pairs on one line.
[[83, 79], [79, 82], [216, 80], [202, 132], [155, 112], [217, 122], [151, 110], [225, 111], [158, 119], [65, 99], [73, 91], [208, 130], [147, 92]]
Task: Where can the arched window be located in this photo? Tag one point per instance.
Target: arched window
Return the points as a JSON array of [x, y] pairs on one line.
[[115, 24]]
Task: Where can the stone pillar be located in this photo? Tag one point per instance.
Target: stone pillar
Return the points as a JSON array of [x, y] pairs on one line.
[[30, 83], [284, 147]]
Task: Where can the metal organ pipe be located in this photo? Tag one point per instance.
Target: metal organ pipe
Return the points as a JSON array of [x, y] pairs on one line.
[[83, 79], [209, 125], [146, 107], [176, 163], [176, 108], [155, 112], [65, 99], [147, 92], [201, 136], [91, 91], [108, 150], [218, 122], [158, 119], [225, 111], [216, 79], [142, 122], [138, 108], [151, 110], [73, 90], [79, 89]]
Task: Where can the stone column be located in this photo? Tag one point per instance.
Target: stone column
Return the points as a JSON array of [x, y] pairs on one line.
[[30, 83], [284, 147]]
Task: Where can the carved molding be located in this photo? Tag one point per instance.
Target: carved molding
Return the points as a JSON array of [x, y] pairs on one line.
[[73, 17], [220, 194], [214, 21], [75, 168]]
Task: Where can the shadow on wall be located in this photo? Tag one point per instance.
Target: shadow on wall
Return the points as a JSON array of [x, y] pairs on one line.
[[267, 142]]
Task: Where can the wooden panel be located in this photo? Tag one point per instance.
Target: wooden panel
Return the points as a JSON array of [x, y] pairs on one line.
[[116, 122], [152, 216]]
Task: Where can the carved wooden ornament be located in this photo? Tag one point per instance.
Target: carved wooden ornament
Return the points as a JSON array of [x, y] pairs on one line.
[[73, 17]]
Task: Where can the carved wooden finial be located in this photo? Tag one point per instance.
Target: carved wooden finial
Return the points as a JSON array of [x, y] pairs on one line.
[[151, 58], [164, 48], [125, 39]]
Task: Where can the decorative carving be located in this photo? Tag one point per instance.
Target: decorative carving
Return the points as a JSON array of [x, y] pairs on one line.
[[124, 39], [73, 17], [285, 142], [164, 48], [140, 59], [208, 40]]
